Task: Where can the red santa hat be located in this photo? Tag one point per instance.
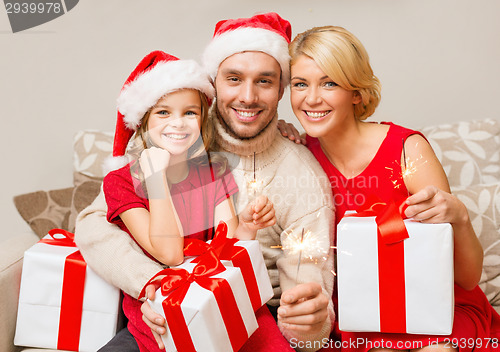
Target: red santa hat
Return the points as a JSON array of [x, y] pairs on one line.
[[156, 75], [267, 32]]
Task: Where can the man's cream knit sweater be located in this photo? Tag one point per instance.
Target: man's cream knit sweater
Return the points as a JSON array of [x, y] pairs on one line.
[[291, 178]]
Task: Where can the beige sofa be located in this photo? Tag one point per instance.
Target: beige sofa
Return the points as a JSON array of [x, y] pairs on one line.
[[469, 152]]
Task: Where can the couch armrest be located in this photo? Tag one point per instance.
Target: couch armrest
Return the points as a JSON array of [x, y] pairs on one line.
[[11, 257]]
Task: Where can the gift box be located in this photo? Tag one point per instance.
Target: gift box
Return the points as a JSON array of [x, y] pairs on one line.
[[245, 255], [205, 305], [395, 281], [63, 304]]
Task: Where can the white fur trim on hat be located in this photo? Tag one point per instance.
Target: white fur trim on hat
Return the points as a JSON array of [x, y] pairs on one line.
[[112, 163], [247, 39], [141, 94]]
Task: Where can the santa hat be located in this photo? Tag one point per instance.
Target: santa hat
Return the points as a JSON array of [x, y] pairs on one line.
[[267, 32], [156, 75]]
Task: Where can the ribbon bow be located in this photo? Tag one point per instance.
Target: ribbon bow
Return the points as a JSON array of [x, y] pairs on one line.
[[224, 248], [67, 241], [388, 217], [175, 282], [220, 244]]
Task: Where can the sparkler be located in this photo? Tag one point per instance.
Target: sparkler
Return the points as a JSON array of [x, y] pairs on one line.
[[254, 166], [254, 186], [300, 255], [307, 245], [408, 169]]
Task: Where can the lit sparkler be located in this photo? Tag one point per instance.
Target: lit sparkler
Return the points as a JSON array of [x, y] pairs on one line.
[[300, 255], [306, 244], [254, 186], [407, 170]]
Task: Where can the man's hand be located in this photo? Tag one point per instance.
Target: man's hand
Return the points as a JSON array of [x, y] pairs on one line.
[[303, 308], [152, 319], [288, 130]]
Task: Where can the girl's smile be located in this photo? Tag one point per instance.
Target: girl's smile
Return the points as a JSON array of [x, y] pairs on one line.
[[174, 122]]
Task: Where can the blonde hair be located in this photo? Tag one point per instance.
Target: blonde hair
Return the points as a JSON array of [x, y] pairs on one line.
[[196, 153], [344, 59]]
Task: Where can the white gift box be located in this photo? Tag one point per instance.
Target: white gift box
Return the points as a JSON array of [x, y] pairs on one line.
[[428, 277], [202, 314], [40, 301], [254, 271]]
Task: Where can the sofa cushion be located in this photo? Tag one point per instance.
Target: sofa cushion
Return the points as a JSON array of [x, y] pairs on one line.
[[469, 151], [483, 203], [90, 149], [85, 191], [45, 210], [10, 281]]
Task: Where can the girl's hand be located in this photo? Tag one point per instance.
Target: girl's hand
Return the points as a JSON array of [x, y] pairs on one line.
[[289, 130], [154, 160], [257, 215], [432, 205]]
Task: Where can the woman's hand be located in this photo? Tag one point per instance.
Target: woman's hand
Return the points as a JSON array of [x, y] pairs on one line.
[[154, 160], [289, 130], [432, 205], [257, 215]]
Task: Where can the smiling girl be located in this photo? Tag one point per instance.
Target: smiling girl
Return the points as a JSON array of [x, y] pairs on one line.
[[173, 187]]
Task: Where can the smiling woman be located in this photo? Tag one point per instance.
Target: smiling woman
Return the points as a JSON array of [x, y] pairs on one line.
[[333, 92], [317, 101]]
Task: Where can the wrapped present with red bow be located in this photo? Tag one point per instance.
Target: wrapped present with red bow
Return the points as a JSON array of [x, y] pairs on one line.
[[64, 304], [394, 275], [205, 305], [245, 255]]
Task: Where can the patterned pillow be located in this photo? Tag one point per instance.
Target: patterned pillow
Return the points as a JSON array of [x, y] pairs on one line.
[[483, 203], [469, 151], [85, 191], [44, 210], [90, 149]]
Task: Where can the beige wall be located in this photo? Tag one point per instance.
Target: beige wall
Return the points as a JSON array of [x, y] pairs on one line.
[[438, 61]]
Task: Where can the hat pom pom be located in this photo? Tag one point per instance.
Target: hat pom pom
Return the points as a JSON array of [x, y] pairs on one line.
[[112, 163]]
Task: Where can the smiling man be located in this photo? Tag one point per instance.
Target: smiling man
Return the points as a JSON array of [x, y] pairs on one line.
[[249, 63], [249, 88]]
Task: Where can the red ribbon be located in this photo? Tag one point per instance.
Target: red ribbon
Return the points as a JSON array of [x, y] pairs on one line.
[[70, 317], [220, 241], [175, 283], [391, 232], [67, 241], [225, 249]]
